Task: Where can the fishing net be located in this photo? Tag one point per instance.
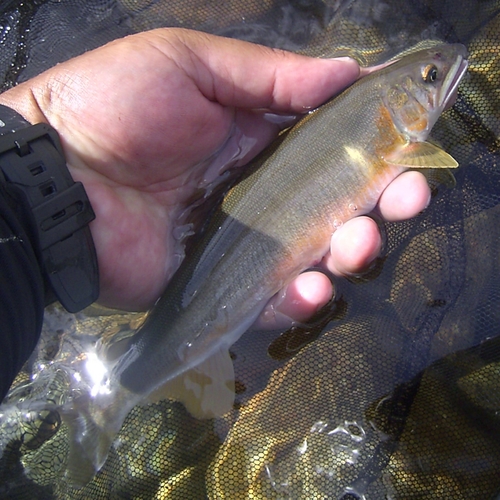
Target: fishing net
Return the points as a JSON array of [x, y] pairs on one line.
[[393, 390]]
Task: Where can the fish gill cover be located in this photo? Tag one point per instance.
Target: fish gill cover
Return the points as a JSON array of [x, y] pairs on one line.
[[393, 391]]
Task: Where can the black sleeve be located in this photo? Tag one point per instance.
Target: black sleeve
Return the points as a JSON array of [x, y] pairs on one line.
[[21, 289]]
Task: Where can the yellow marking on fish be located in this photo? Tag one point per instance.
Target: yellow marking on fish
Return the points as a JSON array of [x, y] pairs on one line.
[[389, 137], [415, 117], [357, 155]]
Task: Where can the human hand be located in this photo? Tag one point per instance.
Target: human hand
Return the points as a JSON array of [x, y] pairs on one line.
[[146, 120]]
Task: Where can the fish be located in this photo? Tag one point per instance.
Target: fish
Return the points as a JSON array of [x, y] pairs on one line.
[[330, 167]]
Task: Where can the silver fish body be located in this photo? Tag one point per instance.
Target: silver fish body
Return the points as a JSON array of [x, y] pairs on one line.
[[332, 166]]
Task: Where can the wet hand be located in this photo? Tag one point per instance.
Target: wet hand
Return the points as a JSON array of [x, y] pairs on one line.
[[146, 120]]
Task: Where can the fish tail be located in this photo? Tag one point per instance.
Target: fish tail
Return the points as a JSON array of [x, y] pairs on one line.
[[89, 446], [93, 424]]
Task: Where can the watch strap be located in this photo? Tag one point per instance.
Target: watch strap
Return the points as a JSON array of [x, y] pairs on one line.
[[32, 160]]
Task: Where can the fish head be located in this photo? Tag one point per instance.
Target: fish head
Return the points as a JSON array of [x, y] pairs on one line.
[[420, 86]]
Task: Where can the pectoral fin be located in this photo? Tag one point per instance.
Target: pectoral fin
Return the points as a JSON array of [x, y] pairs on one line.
[[207, 391], [422, 155]]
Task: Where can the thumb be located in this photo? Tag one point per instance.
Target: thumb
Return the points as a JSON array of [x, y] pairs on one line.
[[237, 73]]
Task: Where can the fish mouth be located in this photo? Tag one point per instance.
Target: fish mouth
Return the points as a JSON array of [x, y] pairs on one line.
[[451, 82]]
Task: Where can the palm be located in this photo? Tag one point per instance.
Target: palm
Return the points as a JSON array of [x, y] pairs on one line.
[[141, 136], [145, 129]]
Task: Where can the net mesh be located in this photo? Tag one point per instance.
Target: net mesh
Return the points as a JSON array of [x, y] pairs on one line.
[[393, 391]]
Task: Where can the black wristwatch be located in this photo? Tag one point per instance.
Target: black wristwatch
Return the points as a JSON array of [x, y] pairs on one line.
[[32, 164]]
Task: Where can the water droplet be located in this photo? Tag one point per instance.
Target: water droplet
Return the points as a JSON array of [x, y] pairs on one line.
[[319, 426], [351, 429], [302, 448], [352, 207], [337, 223]]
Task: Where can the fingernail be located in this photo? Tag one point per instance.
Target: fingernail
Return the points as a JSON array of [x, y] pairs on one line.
[[428, 200], [342, 59]]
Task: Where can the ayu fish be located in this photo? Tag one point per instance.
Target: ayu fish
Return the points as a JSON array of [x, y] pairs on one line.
[[330, 167]]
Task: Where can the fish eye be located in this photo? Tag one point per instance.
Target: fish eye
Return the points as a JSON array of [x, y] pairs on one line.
[[430, 73]]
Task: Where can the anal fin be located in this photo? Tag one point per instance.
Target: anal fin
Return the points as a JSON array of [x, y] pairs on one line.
[[207, 391]]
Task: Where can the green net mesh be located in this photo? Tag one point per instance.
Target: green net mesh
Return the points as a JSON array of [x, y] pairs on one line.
[[393, 392]]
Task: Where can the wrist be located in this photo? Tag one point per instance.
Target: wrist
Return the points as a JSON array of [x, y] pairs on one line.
[[33, 169]]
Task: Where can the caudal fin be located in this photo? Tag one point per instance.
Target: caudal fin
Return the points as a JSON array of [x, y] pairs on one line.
[[207, 391], [93, 424]]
